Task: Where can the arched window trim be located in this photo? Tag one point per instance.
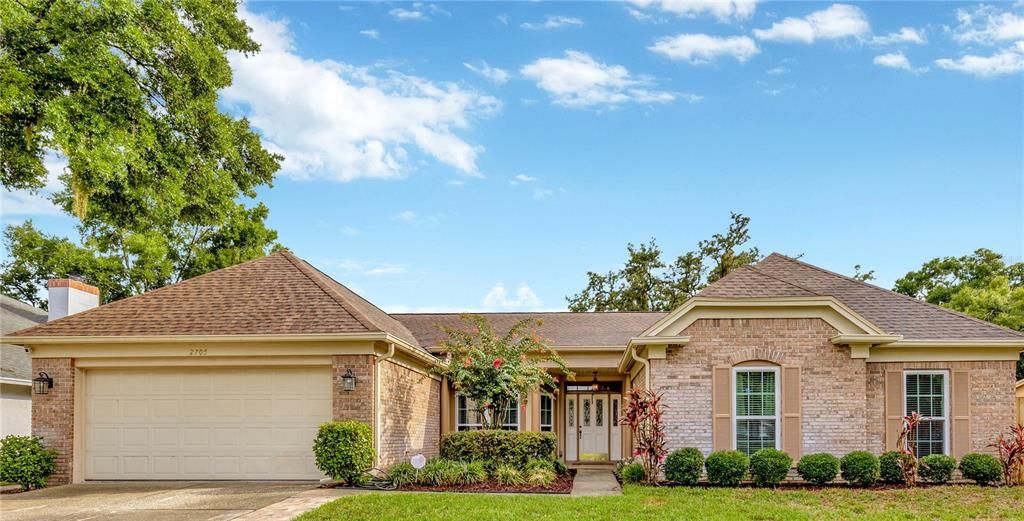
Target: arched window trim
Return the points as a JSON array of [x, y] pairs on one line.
[[757, 366]]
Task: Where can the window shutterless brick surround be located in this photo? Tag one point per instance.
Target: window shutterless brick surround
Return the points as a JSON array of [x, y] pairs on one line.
[[53, 414]]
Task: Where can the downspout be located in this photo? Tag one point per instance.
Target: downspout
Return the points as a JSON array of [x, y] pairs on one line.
[[376, 398], [647, 367]]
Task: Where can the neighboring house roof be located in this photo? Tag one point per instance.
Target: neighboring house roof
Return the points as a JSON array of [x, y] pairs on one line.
[[276, 294], [15, 315], [897, 314], [561, 329]]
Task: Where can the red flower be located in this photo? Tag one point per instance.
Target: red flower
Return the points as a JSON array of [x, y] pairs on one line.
[[497, 363], [466, 362]]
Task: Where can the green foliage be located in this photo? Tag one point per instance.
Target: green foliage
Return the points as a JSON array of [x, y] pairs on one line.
[[25, 461], [126, 94], [631, 472], [535, 463], [727, 467], [508, 475], [647, 283], [819, 469], [344, 450], [441, 472], [982, 469], [768, 467], [512, 447], [472, 472], [540, 477], [860, 468], [936, 468], [560, 467], [891, 465], [684, 466], [492, 369], [402, 474]]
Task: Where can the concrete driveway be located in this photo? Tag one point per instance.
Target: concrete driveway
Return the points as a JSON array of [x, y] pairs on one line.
[[165, 501]]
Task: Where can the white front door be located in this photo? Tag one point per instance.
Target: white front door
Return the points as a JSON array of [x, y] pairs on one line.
[[572, 439], [594, 442]]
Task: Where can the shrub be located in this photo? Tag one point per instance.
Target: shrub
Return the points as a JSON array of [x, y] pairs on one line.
[[859, 468], [632, 473], [344, 450], [560, 467], [891, 465], [539, 464], [937, 468], [768, 467], [727, 467], [818, 468], [25, 461], [510, 447], [471, 473], [684, 466], [402, 474], [508, 475], [982, 469], [540, 477], [440, 472], [643, 414], [1010, 448]]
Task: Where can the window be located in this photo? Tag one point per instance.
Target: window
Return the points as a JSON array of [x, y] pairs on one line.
[[547, 414], [468, 418], [927, 394], [755, 408]]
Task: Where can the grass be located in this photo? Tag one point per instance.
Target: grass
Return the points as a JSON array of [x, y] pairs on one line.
[[947, 502]]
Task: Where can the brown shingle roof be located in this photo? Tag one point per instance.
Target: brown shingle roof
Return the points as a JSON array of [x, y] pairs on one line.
[[557, 329], [15, 315], [276, 294], [781, 276]]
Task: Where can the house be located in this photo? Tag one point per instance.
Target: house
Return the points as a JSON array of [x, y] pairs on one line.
[[227, 375], [1020, 401], [16, 368]]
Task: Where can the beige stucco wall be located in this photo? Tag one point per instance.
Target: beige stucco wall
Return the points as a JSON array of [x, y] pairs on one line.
[[410, 416], [15, 409]]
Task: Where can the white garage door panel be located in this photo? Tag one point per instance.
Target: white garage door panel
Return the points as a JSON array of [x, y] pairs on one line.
[[204, 423]]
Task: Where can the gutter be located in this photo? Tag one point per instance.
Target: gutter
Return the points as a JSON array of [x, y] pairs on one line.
[[647, 367], [15, 381]]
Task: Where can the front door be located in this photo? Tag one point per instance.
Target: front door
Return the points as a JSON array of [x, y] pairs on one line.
[[594, 442]]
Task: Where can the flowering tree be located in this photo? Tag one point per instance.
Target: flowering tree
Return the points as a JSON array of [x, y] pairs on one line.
[[493, 370], [643, 415]]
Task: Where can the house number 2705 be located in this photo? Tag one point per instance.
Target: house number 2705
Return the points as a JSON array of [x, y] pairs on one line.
[[197, 352]]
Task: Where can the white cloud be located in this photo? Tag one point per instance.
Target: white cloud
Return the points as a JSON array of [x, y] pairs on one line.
[[987, 24], [499, 297], [833, 23], [27, 202], [332, 120], [702, 48], [420, 12], [370, 33], [904, 35], [723, 10], [1005, 61], [578, 80], [552, 22], [639, 15], [503, 18], [522, 178], [542, 193], [386, 269], [897, 60], [777, 71], [351, 267], [349, 231], [411, 217], [494, 74]]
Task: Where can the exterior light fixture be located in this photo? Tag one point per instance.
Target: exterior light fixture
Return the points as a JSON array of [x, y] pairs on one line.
[[348, 381], [594, 386], [42, 383]]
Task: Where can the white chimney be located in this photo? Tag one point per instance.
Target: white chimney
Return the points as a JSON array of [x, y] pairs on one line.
[[70, 296]]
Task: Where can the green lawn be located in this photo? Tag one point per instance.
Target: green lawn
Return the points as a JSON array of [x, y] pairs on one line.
[[949, 502]]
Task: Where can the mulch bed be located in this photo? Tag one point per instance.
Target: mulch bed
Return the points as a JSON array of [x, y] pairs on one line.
[[562, 485]]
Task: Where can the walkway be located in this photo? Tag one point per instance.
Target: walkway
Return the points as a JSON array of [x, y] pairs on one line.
[[594, 482]]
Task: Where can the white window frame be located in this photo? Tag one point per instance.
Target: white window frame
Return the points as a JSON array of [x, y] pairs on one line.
[[945, 402], [478, 425], [550, 427], [778, 403]]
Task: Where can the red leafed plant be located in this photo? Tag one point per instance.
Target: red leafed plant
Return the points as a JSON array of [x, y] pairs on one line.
[[1011, 455], [643, 415], [907, 444]]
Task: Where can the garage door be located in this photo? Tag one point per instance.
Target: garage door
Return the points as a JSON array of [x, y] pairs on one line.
[[204, 423]]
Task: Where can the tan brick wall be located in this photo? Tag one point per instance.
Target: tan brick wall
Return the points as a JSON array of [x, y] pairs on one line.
[[640, 380], [357, 404], [992, 399], [833, 385], [410, 404], [53, 414]]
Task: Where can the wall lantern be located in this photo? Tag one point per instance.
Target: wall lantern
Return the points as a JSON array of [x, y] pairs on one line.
[[42, 383], [348, 381], [594, 386]]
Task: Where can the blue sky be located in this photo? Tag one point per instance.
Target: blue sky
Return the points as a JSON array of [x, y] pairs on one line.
[[485, 156]]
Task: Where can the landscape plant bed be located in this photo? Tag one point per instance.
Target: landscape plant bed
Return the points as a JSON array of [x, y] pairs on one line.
[[562, 485], [812, 486]]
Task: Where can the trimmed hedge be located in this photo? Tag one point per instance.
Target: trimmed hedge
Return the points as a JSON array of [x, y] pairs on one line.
[[631, 473], [936, 468], [860, 468], [818, 468], [890, 465], [25, 461], [502, 447], [768, 467], [344, 450], [982, 469], [684, 466], [727, 467]]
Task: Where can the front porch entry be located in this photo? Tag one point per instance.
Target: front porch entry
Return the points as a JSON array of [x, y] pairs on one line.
[[592, 426]]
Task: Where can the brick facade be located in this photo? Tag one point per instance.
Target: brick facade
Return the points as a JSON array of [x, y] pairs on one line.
[[833, 385], [410, 416], [53, 414], [357, 404], [992, 399]]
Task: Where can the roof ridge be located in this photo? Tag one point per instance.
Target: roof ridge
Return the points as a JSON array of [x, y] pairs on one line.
[[784, 281], [303, 268], [531, 313], [901, 295]]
